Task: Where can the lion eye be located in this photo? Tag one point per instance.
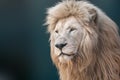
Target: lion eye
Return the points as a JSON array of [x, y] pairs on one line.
[[56, 31], [72, 29]]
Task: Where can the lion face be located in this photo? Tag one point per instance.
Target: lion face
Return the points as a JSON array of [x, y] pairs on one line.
[[84, 42], [67, 37], [73, 31]]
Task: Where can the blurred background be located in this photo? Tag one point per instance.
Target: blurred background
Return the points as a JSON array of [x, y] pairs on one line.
[[24, 46]]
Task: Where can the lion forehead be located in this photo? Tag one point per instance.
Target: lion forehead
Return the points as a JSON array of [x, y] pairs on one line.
[[64, 24]]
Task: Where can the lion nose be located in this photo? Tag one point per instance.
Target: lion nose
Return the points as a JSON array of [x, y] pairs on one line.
[[60, 46]]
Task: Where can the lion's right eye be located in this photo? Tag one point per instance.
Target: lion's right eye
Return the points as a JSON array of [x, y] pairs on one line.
[[72, 29]]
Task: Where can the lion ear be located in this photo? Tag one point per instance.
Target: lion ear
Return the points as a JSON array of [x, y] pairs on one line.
[[93, 15]]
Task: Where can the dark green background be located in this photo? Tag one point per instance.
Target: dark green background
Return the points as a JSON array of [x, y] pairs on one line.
[[24, 46]]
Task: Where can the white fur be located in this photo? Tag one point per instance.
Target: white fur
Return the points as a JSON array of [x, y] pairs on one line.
[[65, 36]]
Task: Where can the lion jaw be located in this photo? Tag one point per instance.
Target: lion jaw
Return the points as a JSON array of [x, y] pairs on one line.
[[64, 58]]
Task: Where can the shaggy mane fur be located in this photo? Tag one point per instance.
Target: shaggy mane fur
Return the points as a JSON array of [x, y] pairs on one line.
[[99, 57]]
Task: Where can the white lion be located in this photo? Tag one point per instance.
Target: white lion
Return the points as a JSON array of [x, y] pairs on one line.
[[85, 44]]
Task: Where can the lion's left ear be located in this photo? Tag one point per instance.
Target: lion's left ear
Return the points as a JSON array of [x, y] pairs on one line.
[[93, 15]]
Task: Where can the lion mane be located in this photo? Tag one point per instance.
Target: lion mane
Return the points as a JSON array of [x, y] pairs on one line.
[[99, 53]]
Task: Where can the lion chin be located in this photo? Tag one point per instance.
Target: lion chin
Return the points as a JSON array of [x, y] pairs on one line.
[[84, 42], [65, 58]]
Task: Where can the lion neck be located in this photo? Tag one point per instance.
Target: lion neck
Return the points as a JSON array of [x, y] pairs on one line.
[[73, 70], [98, 69], [69, 73]]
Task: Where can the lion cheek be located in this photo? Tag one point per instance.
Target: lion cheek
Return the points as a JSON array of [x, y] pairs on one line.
[[70, 50]]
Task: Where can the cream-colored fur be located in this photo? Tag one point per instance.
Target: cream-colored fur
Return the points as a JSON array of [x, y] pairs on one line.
[[93, 42]]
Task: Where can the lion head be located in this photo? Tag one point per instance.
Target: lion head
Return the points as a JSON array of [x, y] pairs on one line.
[[83, 40]]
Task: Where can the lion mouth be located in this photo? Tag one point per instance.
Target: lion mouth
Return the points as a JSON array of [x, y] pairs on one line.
[[65, 54]]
